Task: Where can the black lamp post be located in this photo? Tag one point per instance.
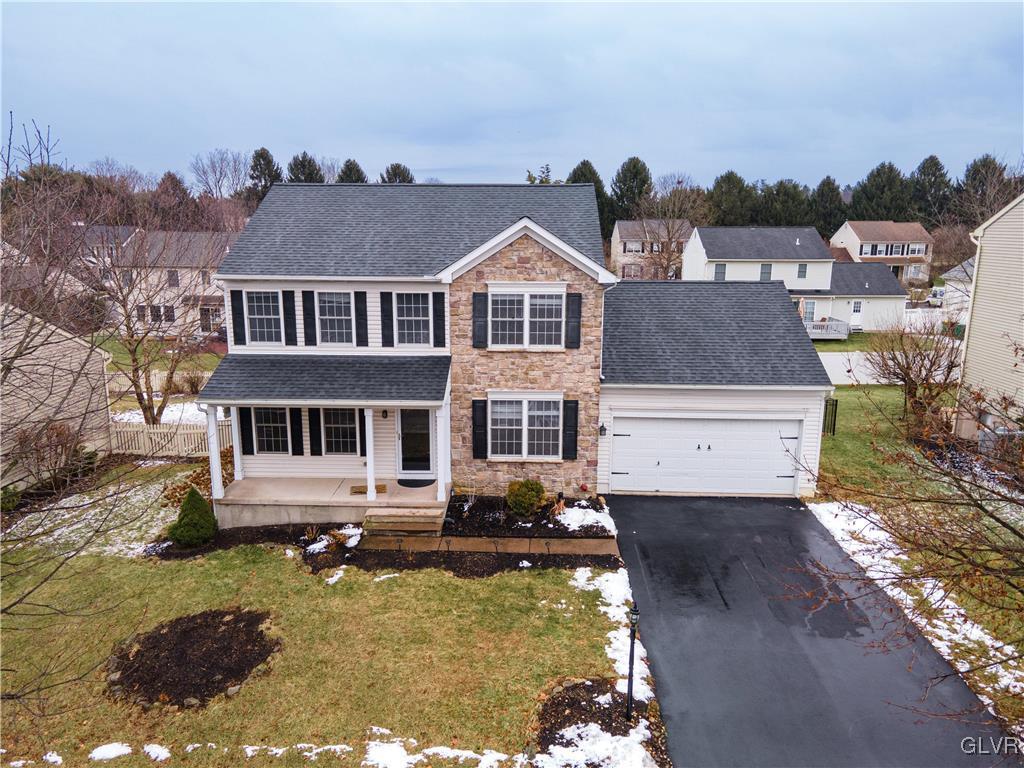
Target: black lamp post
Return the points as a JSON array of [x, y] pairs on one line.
[[634, 620]]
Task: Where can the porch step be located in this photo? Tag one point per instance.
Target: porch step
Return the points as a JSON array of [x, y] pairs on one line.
[[404, 521]]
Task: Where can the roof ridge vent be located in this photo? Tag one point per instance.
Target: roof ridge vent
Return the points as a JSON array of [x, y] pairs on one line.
[[798, 241]]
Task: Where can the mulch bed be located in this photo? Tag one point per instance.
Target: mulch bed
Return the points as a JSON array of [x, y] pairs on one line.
[[489, 516], [227, 538], [574, 703], [189, 660], [465, 565]]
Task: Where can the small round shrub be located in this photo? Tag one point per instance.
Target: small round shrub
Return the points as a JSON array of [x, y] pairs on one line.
[[524, 497], [196, 522]]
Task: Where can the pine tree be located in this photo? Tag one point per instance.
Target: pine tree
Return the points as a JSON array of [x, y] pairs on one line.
[[784, 204], [263, 172], [930, 191], [586, 173], [827, 207], [631, 185], [883, 195], [196, 523], [351, 173], [397, 173], [173, 205], [987, 187], [304, 168], [733, 202]]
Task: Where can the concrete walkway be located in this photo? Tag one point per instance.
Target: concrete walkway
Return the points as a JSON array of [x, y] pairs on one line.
[[847, 368]]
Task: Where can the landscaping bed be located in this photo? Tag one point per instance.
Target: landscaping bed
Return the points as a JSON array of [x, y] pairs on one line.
[[490, 516], [227, 538], [187, 661]]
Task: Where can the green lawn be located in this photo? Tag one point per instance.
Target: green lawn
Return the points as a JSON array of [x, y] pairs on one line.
[[855, 342], [121, 360]]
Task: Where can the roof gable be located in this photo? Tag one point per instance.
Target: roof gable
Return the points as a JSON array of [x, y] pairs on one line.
[[763, 244]]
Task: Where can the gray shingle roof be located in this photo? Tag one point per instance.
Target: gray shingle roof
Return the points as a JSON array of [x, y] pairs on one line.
[[963, 272], [706, 333], [375, 378], [171, 248], [396, 230], [860, 279], [764, 243]]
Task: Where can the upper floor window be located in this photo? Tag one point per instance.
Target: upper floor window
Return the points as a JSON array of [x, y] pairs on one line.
[[865, 249], [264, 315], [169, 316], [412, 318], [127, 278], [766, 272], [140, 312], [631, 271], [895, 249], [335, 314], [172, 278], [340, 434], [916, 249], [527, 319], [271, 430], [655, 247], [720, 272], [204, 276], [801, 271], [632, 246]]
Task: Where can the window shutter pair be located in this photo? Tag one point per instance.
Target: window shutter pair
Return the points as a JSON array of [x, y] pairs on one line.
[[316, 447], [387, 319], [570, 429]]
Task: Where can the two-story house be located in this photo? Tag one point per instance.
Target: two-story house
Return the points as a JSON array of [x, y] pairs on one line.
[[832, 297], [648, 249], [903, 246], [388, 343]]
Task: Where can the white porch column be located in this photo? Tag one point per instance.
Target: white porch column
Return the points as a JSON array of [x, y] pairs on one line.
[[236, 442], [213, 448], [444, 453], [371, 478]]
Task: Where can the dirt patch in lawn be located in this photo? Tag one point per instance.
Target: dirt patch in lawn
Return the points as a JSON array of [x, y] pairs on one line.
[[465, 565], [576, 702], [489, 516], [189, 660]]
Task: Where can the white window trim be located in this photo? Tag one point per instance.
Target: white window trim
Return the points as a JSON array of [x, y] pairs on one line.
[[430, 320], [533, 288], [255, 432], [352, 307], [635, 271], [323, 429], [806, 269], [714, 271], [917, 249], [525, 398], [809, 315], [634, 246], [760, 272], [280, 315]]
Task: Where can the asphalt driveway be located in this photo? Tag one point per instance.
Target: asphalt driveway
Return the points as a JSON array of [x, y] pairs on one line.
[[747, 676]]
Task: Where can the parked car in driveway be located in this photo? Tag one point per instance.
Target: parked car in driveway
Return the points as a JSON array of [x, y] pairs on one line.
[[935, 298]]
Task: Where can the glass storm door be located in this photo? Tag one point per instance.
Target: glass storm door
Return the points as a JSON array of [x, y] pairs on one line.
[[414, 436]]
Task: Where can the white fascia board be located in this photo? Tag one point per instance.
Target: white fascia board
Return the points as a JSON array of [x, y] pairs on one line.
[[332, 278], [298, 403], [526, 226]]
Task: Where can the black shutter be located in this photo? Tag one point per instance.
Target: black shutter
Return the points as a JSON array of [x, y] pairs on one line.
[[438, 318], [361, 337], [288, 302], [480, 428], [480, 320], [361, 429], [238, 317], [573, 318], [570, 427], [387, 320], [295, 419], [315, 448], [309, 318], [245, 429]]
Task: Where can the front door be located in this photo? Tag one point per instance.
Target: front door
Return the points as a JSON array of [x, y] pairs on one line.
[[414, 438]]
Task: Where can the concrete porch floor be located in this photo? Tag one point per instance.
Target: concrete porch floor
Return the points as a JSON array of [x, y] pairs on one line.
[[327, 492]]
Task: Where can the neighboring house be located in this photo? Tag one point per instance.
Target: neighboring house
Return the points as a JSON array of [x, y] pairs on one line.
[[833, 298], [388, 343], [50, 378], [995, 319], [904, 246], [957, 296], [636, 247]]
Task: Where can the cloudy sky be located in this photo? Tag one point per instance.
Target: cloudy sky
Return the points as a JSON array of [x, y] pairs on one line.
[[483, 92]]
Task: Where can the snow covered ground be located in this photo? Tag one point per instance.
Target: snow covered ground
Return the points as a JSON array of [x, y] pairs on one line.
[[961, 641], [582, 515], [186, 412]]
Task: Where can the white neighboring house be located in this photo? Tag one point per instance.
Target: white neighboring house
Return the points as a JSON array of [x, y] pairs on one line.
[[832, 297], [995, 320], [957, 297], [903, 246], [633, 242]]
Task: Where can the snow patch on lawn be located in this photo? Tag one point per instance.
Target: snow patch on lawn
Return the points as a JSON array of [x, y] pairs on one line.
[[354, 534], [311, 752], [175, 413], [157, 752], [110, 751], [951, 628], [395, 754], [588, 744], [582, 515], [386, 576], [336, 577], [318, 546], [53, 758]]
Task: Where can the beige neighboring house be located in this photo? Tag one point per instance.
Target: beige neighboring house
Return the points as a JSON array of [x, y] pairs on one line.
[[904, 246], [49, 377], [956, 298], [995, 320], [634, 242]]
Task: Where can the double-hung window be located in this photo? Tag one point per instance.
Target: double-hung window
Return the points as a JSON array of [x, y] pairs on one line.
[[412, 318], [809, 310], [719, 272], [264, 314], [897, 249], [633, 246], [631, 271], [271, 430], [168, 313], [335, 314], [766, 272], [172, 278], [525, 428], [155, 313], [655, 246], [916, 249], [801, 271], [865, 249], [527, 319], [340, 435]]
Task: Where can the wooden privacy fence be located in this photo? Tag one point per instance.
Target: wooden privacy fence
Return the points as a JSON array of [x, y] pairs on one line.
[[165, 439]]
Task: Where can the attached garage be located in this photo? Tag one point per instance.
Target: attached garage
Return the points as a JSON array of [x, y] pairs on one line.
[[708, 389]]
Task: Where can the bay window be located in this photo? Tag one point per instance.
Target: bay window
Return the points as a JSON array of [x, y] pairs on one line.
[[334, 311], [263, 310], [412, 318], [271, 430], [525, 428]]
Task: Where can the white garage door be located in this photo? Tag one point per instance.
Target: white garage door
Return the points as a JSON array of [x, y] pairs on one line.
[[712, 456]]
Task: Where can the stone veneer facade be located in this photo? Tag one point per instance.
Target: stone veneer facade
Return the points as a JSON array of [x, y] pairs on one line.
[[575, 372]]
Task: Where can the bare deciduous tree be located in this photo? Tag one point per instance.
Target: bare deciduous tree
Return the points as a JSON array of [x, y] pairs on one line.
[[221, 173], [668, 216], [330, 167]]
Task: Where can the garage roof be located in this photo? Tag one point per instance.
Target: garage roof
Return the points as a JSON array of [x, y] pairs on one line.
[[706, 334]]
